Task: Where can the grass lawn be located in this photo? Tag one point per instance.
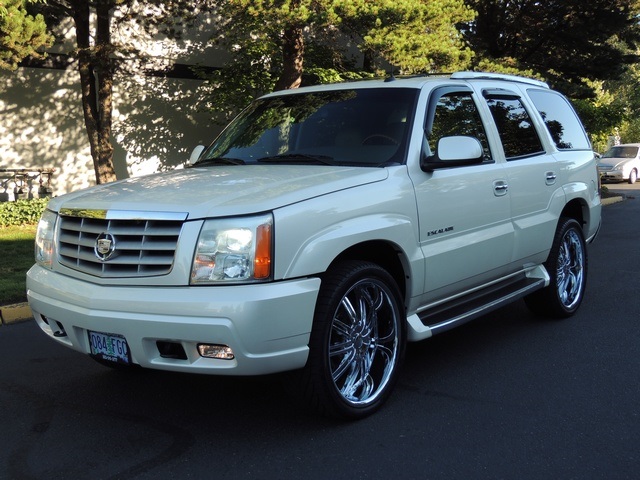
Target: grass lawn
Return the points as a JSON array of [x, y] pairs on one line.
[[16, 257]]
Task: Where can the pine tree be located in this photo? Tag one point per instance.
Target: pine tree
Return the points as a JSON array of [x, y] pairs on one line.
[[21, 35], [566, 41], [280, 44]]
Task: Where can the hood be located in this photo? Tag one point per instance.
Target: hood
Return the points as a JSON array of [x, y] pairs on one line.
[[220, 190], [613, 161]]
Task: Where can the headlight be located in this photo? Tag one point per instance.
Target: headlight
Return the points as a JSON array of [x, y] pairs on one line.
[[45, 245], [233, 250]]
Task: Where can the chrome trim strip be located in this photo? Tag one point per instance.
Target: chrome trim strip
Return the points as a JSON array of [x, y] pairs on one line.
[[428, 306], [484, 309], [123, 214]]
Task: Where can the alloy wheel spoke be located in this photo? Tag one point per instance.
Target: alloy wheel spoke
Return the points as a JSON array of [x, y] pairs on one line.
[[361, 362], [347, 360], [569, 272]]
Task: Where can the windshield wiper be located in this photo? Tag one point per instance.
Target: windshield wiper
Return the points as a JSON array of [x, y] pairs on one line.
[[298, 157], [218, 161]]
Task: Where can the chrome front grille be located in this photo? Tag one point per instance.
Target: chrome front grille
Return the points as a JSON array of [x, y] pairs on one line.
[[137, 246]]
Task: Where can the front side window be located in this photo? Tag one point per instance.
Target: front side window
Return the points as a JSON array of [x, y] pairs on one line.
[[517, 132], [456, 114], [560, 119], [350, 127]]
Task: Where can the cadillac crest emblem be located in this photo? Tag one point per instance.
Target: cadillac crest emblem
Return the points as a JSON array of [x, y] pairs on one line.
[[105, 246]]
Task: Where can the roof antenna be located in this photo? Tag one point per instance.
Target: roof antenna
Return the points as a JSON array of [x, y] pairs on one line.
[[390, 78]]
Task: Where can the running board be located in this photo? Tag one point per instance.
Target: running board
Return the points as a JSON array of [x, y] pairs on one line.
[[446, 316]]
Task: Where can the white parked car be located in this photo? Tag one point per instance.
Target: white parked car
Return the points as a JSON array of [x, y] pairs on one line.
[[324, 229], [620, 163]]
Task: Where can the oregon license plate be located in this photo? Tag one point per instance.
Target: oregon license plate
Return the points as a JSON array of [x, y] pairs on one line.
[[109, 347]]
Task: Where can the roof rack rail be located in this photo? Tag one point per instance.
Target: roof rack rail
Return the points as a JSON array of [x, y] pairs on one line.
[[498, 76]]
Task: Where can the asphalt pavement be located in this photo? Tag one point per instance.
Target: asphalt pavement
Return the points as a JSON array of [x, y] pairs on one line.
[[509, 396]]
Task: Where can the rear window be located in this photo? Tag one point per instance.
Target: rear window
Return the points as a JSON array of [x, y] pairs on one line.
[[561, 121]]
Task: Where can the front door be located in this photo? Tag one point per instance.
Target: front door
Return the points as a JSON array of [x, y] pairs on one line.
[[466, 232]]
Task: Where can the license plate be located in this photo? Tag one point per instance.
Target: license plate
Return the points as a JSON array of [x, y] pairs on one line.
[[109, 347]]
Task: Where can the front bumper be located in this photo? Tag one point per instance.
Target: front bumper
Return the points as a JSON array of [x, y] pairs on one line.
[[613, 176], [266, 325]]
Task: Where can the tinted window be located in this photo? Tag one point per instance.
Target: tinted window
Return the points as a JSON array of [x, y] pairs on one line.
[[457, 114], [560, 119], [368, 127], [517, 132]]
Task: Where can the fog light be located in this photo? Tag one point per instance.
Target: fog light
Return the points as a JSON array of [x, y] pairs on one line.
[[221, 352]]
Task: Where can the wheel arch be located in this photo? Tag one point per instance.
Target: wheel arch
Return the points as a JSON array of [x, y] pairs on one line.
[[579, 211], [389, 241], [385, 254]]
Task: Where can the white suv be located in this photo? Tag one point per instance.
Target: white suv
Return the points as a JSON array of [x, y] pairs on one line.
[[325, 228]]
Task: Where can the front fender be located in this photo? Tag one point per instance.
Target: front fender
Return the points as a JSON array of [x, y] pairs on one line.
[[312, 234]]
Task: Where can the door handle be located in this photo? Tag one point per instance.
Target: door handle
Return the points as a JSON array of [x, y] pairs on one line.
[[550, 178], [500, 187]]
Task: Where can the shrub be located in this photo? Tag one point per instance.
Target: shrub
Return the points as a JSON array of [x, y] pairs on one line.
[[22, 212]]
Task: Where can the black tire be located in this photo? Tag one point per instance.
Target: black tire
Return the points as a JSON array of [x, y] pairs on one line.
[[633, 176], [357, 342], [567, 267]]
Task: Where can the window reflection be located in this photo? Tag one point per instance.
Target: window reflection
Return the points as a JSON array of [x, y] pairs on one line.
[[561, 121], [367, 127], [517, 132]]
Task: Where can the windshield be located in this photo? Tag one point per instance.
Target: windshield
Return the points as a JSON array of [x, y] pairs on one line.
[[621, 152], [367, 127]]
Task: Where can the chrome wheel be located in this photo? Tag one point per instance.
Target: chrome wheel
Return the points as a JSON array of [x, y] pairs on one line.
[[357, 341], [567, 268], [570, 271], [363, 344]]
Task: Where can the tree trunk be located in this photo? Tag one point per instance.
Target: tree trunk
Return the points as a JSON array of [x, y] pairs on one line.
[[292, 58], [96, 80]]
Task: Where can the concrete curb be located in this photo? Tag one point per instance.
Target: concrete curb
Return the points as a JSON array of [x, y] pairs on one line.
[[19, 312], [610, 200]]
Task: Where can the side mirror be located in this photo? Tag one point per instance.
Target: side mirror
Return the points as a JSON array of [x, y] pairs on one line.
[[454, 151], [195, 154]]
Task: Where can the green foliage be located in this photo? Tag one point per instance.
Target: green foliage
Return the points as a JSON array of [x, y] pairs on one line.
[[22, 212], [21, 35], [321, 75], [568, 42], [614, 109], [342, 40], [16, 245], [413, 36]]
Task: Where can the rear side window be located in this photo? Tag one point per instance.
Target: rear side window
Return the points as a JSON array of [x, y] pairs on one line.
[[561, 121], [517, 132]]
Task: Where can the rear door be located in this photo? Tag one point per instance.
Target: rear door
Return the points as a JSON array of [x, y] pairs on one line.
[[534, 176]]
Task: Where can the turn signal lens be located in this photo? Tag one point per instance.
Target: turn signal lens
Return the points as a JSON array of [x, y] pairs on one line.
[[262, 262], [233, 250]]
